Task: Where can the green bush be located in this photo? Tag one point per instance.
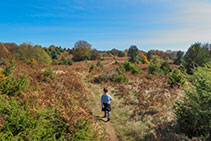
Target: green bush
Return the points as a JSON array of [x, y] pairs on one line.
[[10, 85], [10, 69], [130, 67], [99, 64], [48, 73], [121, 78], [153, 68], [82, 131], [121, 69], [91, 68], [193, 114], [165, 67], [20, 124], [176, 78]]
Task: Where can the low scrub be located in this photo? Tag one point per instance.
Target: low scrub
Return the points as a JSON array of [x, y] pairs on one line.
[[131, 67], [176, 78], [154, 68], [165, 67], [10, 85], [48, 74]]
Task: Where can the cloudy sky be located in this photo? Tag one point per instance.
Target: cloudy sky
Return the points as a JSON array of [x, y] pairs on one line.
[[107, 24]]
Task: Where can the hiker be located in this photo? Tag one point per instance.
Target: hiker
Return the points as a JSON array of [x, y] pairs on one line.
[[105, 103]]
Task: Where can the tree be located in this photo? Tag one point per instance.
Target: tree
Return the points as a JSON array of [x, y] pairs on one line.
[[194, 112], [133, 53], [196, 56], [27, 52], [150, 54], [179, 58], [81, 51]]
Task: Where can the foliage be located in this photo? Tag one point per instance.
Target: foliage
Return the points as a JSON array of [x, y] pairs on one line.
[[179, 58], [4, 54], [155, 59], [130, 67], [133, 53], [99, 63], [121, 54], [82, 131], [176, 78], [10, 85], [196, 56], [10, 69], [28, 52], [95, 54], [150, 54], [165, 67], [48, 73], [91, 68], [81, 51], [20, 124], [144, 60], [153, 68], [121, 78], [193, 114]]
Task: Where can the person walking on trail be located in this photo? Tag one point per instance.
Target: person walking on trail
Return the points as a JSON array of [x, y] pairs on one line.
[[105, 103]]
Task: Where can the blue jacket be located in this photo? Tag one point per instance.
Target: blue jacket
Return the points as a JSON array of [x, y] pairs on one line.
[[105, 98]]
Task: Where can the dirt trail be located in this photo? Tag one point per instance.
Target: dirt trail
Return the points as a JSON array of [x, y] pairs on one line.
[[95, 106]]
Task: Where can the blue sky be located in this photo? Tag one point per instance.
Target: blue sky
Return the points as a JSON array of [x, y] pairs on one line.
[[107, 24]]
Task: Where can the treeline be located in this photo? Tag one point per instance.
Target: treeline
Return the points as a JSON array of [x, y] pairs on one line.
[[36, 54]]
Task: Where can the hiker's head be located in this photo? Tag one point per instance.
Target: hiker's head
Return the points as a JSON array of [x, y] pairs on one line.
[[105, 90]]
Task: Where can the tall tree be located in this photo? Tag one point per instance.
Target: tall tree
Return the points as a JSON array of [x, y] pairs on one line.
[[133, 53], [179, 58], [196, 56], [81, 51]]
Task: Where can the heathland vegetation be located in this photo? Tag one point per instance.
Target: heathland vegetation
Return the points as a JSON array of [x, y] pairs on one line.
[[53, 93]]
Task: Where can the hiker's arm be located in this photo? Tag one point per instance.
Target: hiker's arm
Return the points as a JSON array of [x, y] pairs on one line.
[[102, 101], [110, 98]]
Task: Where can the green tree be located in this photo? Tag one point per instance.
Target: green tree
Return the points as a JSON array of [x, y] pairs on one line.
[[81, 51], [27, 52], [179, 58], [133, 53], [193, 114], [196, 56]]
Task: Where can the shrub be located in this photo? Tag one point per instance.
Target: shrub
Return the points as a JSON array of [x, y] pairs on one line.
[[82, 131], [155, 59], [20, 124], [153, 68], [121, 69], [193, 114], [99, 64], [121, 78], [10, 69], [196, 56], [129, 67], [121, 54], [48, 73], [10, 85], [165, 67], [144, 60], [176, 78], [91, 68]]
